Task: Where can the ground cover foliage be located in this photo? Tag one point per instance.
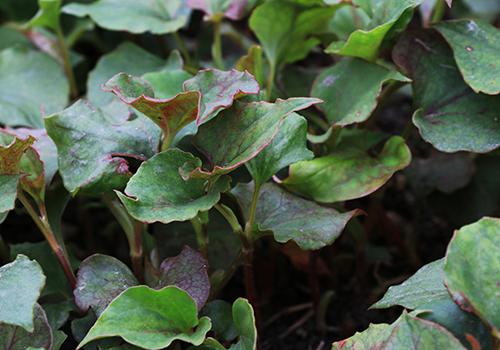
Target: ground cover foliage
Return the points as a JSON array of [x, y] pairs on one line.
[[249, 174]]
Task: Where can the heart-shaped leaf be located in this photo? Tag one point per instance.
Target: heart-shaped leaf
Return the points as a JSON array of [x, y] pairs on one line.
[[286, 30], [188, 271], [451, 116], [350, 90], [232, 9], [157, 192], [91, 146], [475, 45], [408, 332], [100, 279], [21, 283], [151, 319], [385, 15], [240, 133], [17, 338], [128, 58], [289, 146], [472, 268], [290, 217], [24, 96], [154, 16], [348, 173]]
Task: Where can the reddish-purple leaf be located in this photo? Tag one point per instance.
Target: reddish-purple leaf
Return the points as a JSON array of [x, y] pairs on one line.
[[188, 271]]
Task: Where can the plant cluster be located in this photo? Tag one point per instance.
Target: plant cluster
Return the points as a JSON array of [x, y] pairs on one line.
[[262, 128]]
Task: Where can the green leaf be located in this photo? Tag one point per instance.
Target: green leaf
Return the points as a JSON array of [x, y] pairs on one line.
[[151, 319], [471, 269], [100, 279], [350, 90], [286, 30], [12, 37], [290, 217], [240, 133], [252, 63], [408, 332], [12, 150], [21, 283], [348, 173], [289, 146], [24, 96], [475, 45], [188, 271], [128, 58], [220, 312], [47, 15], [17, 338], [451, 116], [157, 192], [384, 16], [154, 16], [232, 9], [91, 146]]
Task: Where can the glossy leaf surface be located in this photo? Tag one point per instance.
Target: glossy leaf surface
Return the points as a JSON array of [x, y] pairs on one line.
[[347, 174], [151, 319]]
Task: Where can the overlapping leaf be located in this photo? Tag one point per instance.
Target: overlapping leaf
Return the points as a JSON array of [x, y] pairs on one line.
[[290, 217], [188, 271], [289, 146], [157, 192], [350, 90], [408, 332], [472, 268], [25, 75], [91, 146], [475, 45], [151, 319], [100, 279], [232, 9], [21, 283], [384, 16], [348, 173], [451, 116], [240, 133], [155, 16]]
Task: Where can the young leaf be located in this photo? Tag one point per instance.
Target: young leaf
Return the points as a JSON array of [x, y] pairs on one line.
[[17, 338], [289, 217], [451, 116], [24, 96], [350, 90], [47, 15], [384, 16], [219, 89], [252, 63], [150, 319], [348, 173], [154, 16], [11, 152], [188, 271], [471, 269], [289, 146], [475, 45], [21, 283], [91, 146], [128, 58], [241, 133], [158, 193], [408, 332], [100, 279], [285, 29], [232, 9]]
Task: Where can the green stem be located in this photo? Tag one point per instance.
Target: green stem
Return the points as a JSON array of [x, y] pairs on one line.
[[270, 81], [438, 13], [133, 231], [43, 225], [182, 48], [167, 141], [217, 46], [200, 230], [63, 48]]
